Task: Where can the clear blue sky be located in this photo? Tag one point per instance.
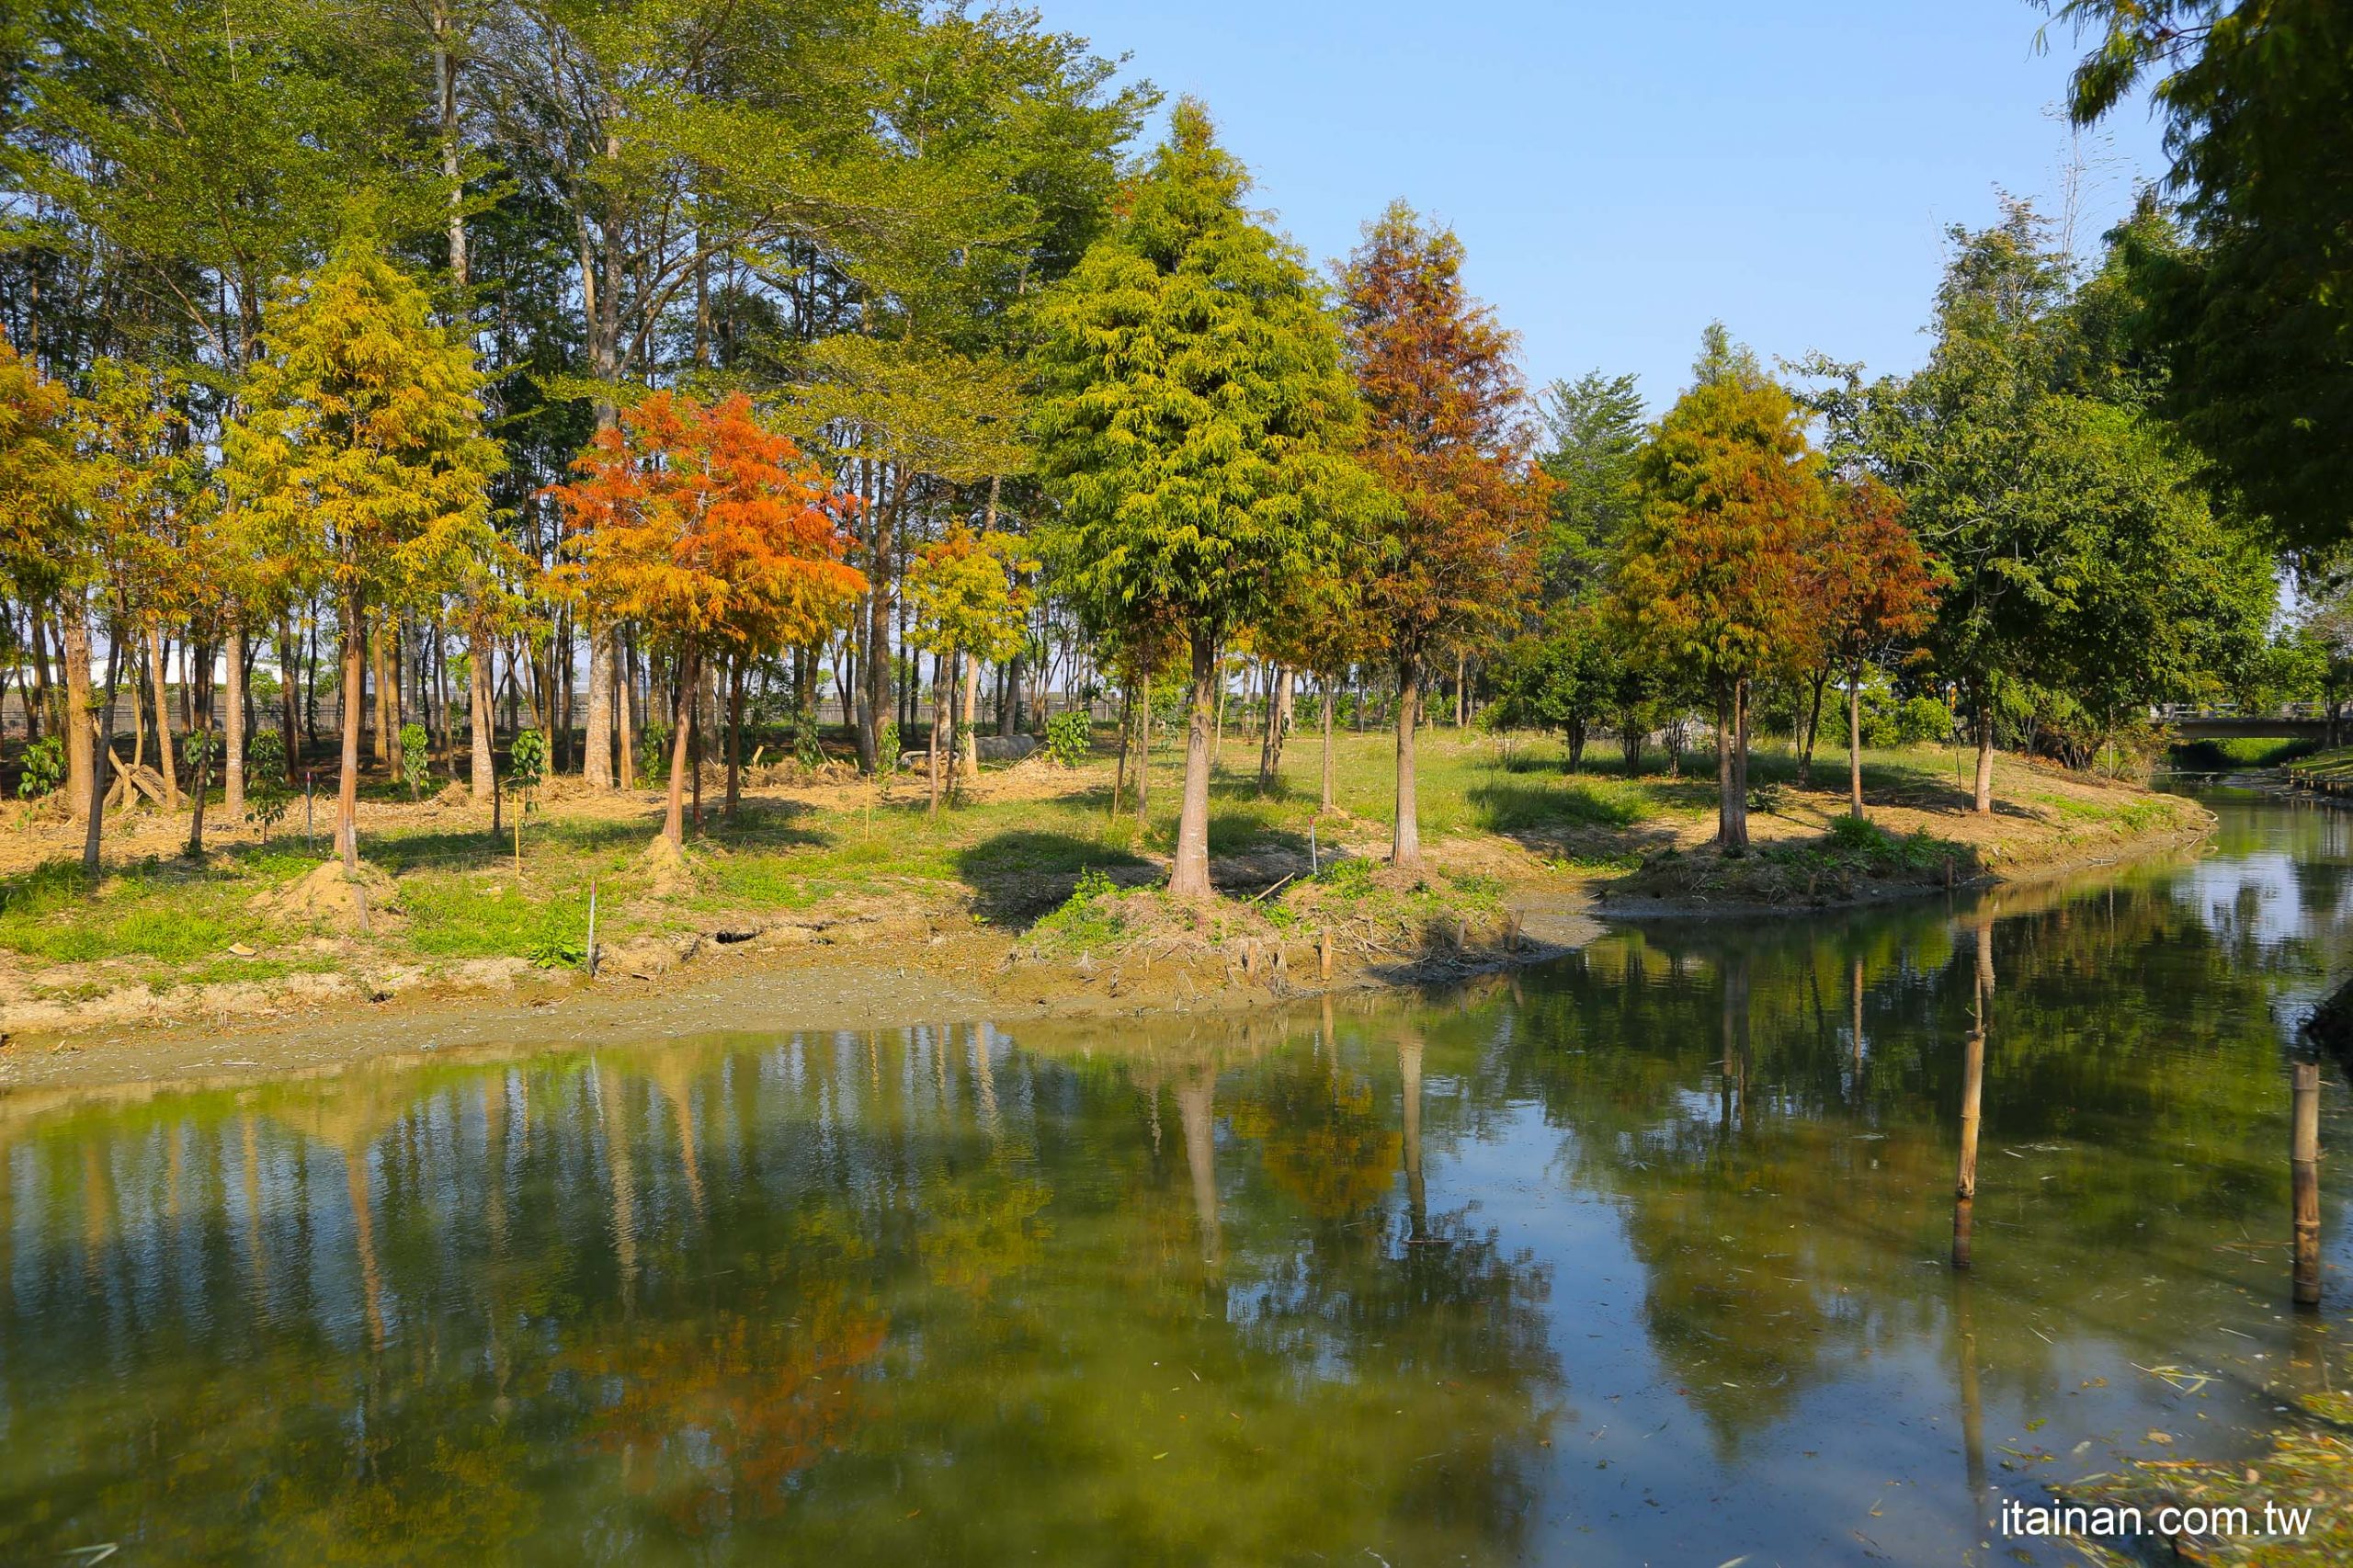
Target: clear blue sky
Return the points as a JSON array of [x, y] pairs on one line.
[[1621, 174]]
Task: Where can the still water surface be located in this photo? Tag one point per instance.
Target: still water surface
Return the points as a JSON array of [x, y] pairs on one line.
[[1639, 1257]]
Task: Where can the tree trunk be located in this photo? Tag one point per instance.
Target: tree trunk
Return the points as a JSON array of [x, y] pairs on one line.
[[734, 734], [1325, 804], [157, 676], [968, 725], [596, 754], [1731, 799], [1189, 878], [387, 742], [233, 739], [74, 648], [1143, 752], [877, 649], [939, 724], [1812, 730], [1405, 835], [102, 759], [346, 802], [624, 735], [1855, 741], [682, 705], [290, 699], [1270, 751], [200, 729], [480, 721], [1981, 796]]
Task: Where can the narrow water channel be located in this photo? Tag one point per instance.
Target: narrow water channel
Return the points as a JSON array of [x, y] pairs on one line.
[[1643, 1256]]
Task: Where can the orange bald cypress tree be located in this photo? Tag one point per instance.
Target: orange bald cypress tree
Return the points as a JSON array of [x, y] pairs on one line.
[[1453, 560], [712, 531]]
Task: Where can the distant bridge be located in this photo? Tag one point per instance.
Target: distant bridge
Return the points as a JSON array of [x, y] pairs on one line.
[[2298, 723]]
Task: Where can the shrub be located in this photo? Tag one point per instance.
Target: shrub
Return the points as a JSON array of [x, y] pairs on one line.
[[526, 763], [1923, 718], [654, 754], [416, 759], [886, 750], [1070, 735], [1083, 922], [44, 768], [267, 795], [806, 750]]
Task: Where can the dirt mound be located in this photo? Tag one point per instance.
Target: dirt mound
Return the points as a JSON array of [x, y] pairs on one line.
[[664, 865], [355, 902]]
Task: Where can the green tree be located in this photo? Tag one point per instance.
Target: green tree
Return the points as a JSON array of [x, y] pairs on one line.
[[361, 456], [2255, 313], [1595, 426], [964, 594], [1195, 421], [2092, 573]]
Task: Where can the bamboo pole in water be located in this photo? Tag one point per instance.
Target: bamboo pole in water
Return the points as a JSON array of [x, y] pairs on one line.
[[1964, 1192], [2304, 1163]]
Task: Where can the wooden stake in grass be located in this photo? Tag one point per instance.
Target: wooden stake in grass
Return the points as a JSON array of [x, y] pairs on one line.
[[2303, 1163], [1324, 953], [592, 927]]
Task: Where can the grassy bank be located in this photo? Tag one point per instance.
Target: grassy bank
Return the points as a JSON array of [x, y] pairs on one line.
[[1034, 858]]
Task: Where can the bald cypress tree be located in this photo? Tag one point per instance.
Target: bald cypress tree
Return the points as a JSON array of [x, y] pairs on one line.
[[1195, 422]]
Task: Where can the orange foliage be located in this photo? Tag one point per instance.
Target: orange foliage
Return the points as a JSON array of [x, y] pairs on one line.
[[712, 529]]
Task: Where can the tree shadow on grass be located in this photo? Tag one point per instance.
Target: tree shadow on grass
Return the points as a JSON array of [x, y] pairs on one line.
[[1018, 875]]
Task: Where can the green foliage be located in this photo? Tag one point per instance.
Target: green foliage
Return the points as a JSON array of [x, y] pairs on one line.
[[653, 754], [806, 749], [1922, 718], [416, 759], [463, 917], [1070, 736], [1597, 425], [2093, 574], [2248, 315], [266, 793], [1196, 413], [526, 762], [886, 749], [1350, 878], [1082, 923], [44, 768]]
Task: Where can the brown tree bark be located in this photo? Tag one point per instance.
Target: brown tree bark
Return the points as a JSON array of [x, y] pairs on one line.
[[233, 724], [347, 801], [1732, 782], [1406, 834], [1189, 877], [596, 755], [74, 646], [481, 710], [158, 674], [682, 705]]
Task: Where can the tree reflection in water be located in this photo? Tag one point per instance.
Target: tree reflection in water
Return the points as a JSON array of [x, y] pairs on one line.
[[1247, 1289]]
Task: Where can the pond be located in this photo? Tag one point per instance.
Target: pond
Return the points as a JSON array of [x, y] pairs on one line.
[[1641, 1256]]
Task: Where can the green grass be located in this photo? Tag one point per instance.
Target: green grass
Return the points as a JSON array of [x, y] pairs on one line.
[[158, 911], [467, 917]]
